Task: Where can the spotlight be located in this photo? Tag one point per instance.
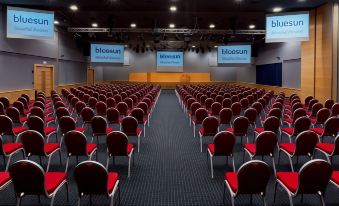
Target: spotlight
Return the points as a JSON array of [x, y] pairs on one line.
[[73, 7]]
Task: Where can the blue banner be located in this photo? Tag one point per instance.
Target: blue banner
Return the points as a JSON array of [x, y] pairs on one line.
[[287, 27], [170, 59], [107, 53], [29, 24], [234, 54]]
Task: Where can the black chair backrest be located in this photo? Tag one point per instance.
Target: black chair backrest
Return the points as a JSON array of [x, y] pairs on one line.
[[117, 144], [28, 178], [91, 178], [75, 143]]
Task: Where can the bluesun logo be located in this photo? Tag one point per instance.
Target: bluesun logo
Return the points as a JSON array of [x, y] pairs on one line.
[[25, 20], [234, 51], [167, 56], [291, 23], [107, 51]]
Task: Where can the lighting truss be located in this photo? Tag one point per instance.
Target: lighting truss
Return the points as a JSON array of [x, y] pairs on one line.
[[165, 31]]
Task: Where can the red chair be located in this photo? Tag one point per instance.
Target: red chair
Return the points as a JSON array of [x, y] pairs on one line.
[[215, 109], [37, 124], [264, 145], [117, 145], [5, 102], [315, 108], [122, 107], [30, 178], [2, 109], [335, 110], [138, 114], [21, 107], [236, 109], [304, 146], [101, 108], [93, 179], [271, 124], [257, 106], [92, 102], [76, 145], [7, 150], [110, 102], [99, 127], [225, 117], [147, 112], [200, 115], [129, 102], [312, 178], [331, 128], [15, 116], [322, 115], [251, 115], [240, 127], [37, 111], [329, 103], [227, 103], [194, 107], [130, 127], [67, 124], [296, 115], [87, 114], [223, 145], [244, 103], [210, 127], [208, 103], [328, 149], [6, 127], [301, 124], [34, 145], [251, 178]]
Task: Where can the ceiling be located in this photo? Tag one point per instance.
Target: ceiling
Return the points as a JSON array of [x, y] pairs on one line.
[[192, 14]]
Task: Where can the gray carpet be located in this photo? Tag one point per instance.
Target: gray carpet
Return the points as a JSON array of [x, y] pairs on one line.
[[169, 170]]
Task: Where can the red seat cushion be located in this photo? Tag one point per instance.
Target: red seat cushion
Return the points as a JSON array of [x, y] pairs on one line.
[[112, 180], [80, 129], [288, 130], [288, 120], [319, 131], [230, 130], [49, 130], [9, 148], [335, 177], [259, 130], [49, 119], [4, 178], [48, 112], [129, 148], [326, 147], [144, 120], [288, 113], [109, 130], [308, 113], [232, 179], [27, 111], [288, 147], [289, 179], [139, 130], [194, 120], [90, 148], [53, 180], [251, 148], [313, 120], [23, 119], [51, 147], [18, 130], [210, 147]]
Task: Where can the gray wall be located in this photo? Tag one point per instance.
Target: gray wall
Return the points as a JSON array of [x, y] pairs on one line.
[[17, 56], [193, 62]]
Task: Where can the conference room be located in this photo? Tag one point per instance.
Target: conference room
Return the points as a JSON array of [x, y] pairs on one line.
[[161, 103]]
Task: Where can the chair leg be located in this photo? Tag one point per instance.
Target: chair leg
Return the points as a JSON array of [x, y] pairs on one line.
[[9, 160], [321, 199], [233, 164], [263, 200], [129, 166], [18, 201], [60, 157], [211, 160], [79, 201], [291, 199], [52, 200], [144, 130], [291, 163], [275, 191], [107, 162], [138, 144], [67, 192], [232, 200], [200, 143], [49, 162], [193, 130]]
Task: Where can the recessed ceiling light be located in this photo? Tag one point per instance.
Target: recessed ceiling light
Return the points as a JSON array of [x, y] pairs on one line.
[[251, 26], [56, 22], [133, 25], [212, 26], [238, 1], [193, 46], [173, 8], [171, 25], [126, 45], [216, 46], [301, 0], [277, 9], [94, 25], [73, 7]]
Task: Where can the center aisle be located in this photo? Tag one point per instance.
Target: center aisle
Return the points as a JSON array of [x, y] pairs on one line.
[[170, 170]]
